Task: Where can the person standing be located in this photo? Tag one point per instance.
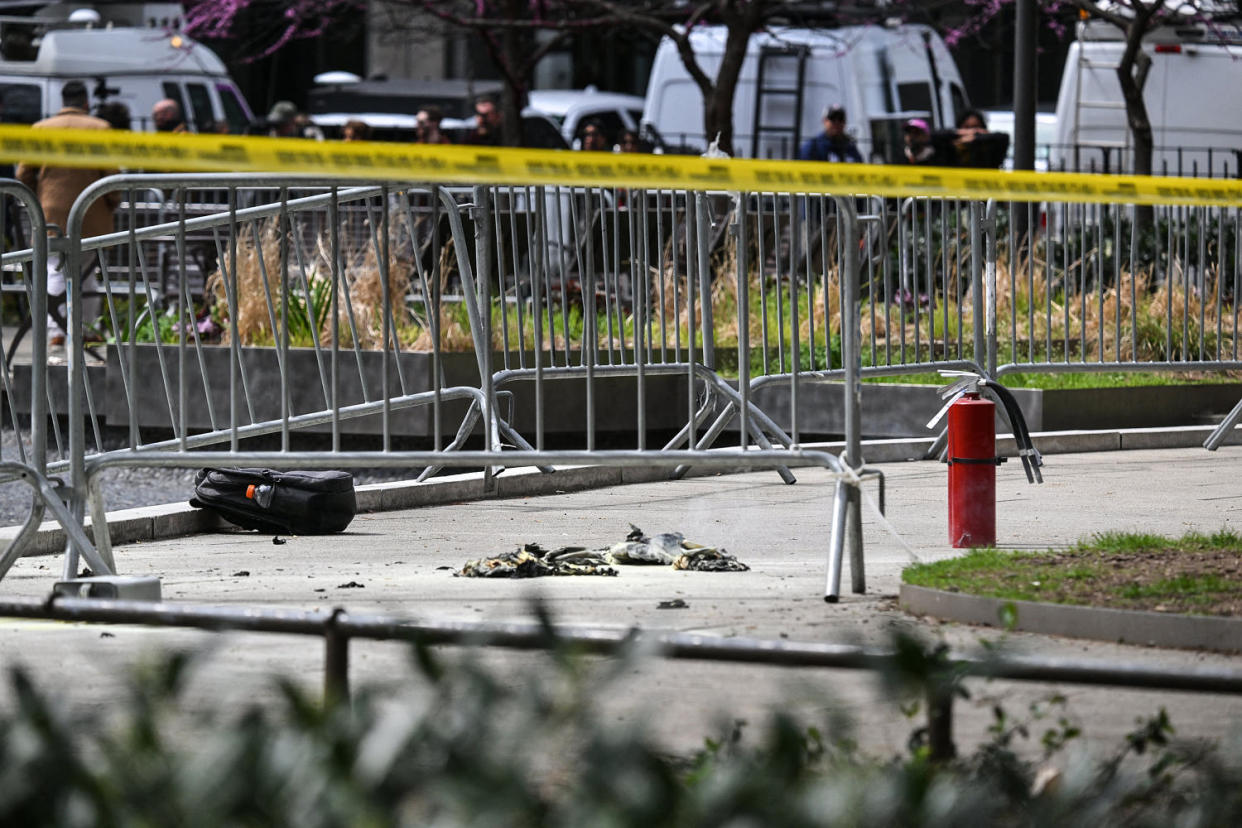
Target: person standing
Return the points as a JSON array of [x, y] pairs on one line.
[[833, 144], [355, 130], [58, 187], [488, 124], [427, 129], [282, 120], [594, 139], [166, 116], [919, 148], [115, 113]]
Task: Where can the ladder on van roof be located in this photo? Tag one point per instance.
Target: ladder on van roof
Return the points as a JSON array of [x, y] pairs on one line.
[[773, 88], [1086, 64]]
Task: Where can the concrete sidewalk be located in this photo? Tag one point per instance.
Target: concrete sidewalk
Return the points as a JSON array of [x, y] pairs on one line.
[[404, 561]]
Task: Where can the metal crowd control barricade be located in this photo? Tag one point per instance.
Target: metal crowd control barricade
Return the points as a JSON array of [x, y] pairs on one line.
[[270, 280], [919, 264], [1115, 287], [24, 274], [600, 285], [597, 285], [282, 280]]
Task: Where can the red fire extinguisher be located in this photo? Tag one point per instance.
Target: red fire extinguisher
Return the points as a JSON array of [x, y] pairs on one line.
[[972, 471]]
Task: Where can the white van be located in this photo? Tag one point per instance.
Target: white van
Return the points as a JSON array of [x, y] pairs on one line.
[[882, 75], [1193, 94], [136, 66]]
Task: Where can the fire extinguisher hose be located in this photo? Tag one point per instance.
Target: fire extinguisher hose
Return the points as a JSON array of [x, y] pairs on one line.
[[1030, 456]]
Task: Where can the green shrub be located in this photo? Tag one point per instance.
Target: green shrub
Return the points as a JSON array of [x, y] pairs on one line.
[[537, 749]]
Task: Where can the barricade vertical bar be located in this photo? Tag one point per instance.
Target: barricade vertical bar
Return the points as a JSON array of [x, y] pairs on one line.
[[851, 356], [433, 313], [1117, 287], [283, 343], [191, 320], [903, 273], [763, 278], [672, 220], [780, 302], [231, 299], [808, 272], [502, 267], [797, 241], [692, 255], [38, 328], [558, 224], [704, 220], [483, 283], [976, 282], [1220, 276], [1237, 270], [638, 307], [1101, 219], [334, 243], [661, 288], [311, 311], [886, 275], [609, 262], [743, 319], [616, 277], [69, 254], [537, 294], [1048, 280], [989, 286], [39, 405], [1031, 214], [590, 335], [388, 334], [183, 391], [1134, 244], [543, 266], [1201, 280], [1014, 251], [131, 355]]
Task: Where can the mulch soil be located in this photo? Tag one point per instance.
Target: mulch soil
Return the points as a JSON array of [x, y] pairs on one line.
[[1197, 581]]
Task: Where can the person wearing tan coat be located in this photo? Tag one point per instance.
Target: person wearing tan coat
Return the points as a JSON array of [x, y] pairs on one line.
[[58, 187]]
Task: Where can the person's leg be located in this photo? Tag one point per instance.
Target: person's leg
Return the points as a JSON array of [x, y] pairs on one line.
[[55, 298]]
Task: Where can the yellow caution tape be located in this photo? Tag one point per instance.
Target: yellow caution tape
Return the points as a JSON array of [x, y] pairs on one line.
[[428, 163]]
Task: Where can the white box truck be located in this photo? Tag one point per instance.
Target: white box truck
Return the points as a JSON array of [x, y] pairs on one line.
[[136, 65], [1193, 95], [882, 75]]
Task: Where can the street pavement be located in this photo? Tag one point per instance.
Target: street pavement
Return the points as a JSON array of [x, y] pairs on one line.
[[403, 563]]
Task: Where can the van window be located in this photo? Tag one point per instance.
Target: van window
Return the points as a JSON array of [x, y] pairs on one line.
[[959, 101], [20, 103], [200, 105], [914, 97], [234, 112]]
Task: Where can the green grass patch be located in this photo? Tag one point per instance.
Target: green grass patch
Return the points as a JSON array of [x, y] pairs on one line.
[[1196, 573], [1107, 379]]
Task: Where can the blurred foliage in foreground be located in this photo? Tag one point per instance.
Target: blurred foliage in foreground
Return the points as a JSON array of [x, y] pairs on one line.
[[538, 749]]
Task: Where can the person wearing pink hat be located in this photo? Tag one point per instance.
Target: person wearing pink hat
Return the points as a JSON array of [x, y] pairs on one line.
[[919, 149]]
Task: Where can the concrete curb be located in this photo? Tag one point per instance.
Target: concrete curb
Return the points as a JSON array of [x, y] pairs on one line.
[[1151, 629], [176, 519]]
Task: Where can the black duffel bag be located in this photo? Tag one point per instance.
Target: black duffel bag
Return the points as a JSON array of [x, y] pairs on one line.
[[279, 502]]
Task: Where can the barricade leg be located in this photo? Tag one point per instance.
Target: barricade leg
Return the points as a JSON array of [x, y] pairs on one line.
[[836, 546], [851, 357], [1222, 431]]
